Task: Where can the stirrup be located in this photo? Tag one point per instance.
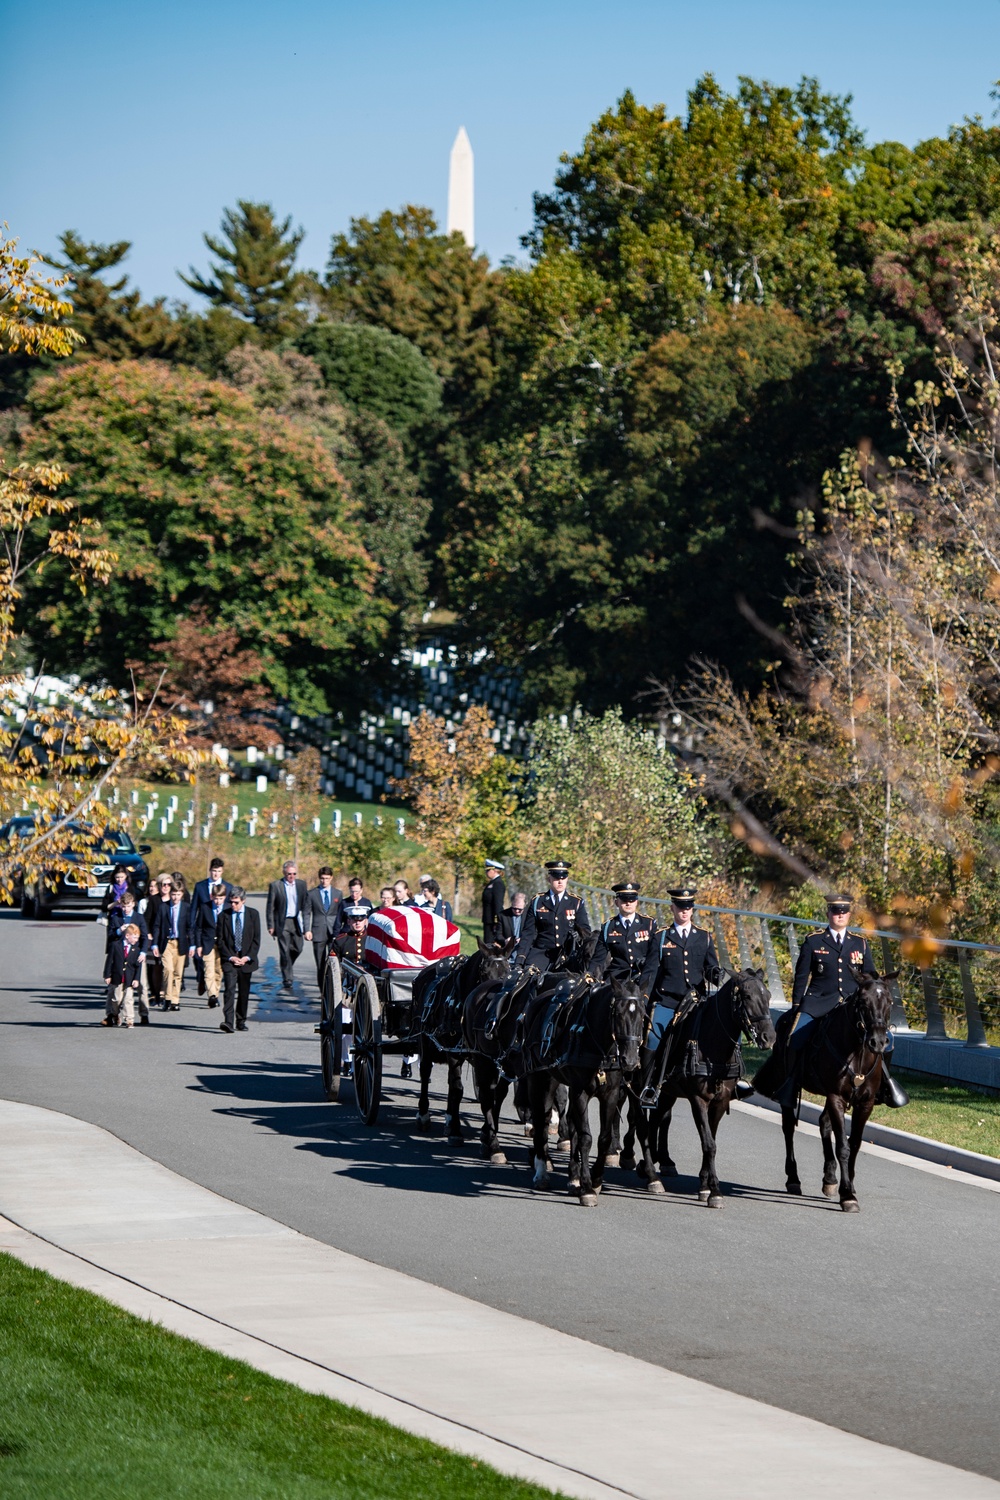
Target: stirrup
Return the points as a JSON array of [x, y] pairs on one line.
[[744, 1088], [648, 1097]]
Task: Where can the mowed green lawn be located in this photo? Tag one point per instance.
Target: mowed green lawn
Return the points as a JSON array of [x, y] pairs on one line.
[[99, 1405]]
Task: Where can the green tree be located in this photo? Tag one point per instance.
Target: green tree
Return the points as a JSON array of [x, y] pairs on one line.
[[209, 501], [254, 276], [115, 323], [368, 453], [374, 371], [400, 273], [615, 803]]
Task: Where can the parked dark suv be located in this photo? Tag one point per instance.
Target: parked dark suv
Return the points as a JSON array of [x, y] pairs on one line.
[[77, 890]]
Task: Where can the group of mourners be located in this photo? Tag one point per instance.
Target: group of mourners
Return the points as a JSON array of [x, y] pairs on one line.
[[152, 939], [675, 965]]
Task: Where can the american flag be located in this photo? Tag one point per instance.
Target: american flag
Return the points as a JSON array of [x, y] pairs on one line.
[[409, 937]]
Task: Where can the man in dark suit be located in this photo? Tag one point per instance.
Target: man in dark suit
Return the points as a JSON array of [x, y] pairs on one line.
[[323, 918], [159, 895], [286, 918], [493, 894], [201, 896], [237, 934], [680, 960], [172, 942], [513, 916], [206, 946]]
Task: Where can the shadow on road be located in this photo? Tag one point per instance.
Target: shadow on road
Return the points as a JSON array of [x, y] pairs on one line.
[[285, 1098]]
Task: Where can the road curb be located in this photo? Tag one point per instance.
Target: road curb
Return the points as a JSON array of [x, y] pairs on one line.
[[903, 1141]]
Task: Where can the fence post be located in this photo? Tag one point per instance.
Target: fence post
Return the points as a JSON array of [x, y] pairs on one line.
[[721, 947], [935, 1020], [771, 965], [897, 1015], [746, 961], [976, 1031], [793, 944]]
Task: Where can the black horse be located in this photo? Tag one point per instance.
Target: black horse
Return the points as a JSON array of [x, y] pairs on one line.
[[705, 1068], [439, 1005], [843, 1060], [600, 1038], [493, 1027]]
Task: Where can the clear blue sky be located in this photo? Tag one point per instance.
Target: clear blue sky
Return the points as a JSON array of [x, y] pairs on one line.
[[142, 120]]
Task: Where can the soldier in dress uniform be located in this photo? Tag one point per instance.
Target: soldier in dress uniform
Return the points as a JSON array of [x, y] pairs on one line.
[[493, 894], [549, 920], [824, 979], [623, 946], [351, 942], [680, 959]]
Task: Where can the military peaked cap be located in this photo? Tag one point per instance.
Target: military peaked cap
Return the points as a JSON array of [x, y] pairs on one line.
[[352, 912], [840, 903], [628, 890], [683, 895], [493, 864], [557, 868]]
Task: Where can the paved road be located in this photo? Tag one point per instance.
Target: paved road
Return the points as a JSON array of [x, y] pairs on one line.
[[883, 1323]]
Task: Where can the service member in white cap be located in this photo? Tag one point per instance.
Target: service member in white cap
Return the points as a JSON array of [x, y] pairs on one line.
[[493, 893]]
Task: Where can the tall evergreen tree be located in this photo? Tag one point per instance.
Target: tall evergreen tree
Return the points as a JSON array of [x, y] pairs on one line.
[[254, 276], [115, 323]]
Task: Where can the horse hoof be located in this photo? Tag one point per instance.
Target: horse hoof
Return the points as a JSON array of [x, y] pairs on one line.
[[715, 1201], [655, 1186], [850, 1205], [626, 1162], [597, 1188], [667, 1168], [795, 1188], [455, 1138], [498, 1159], [588, 1200], [528, 1129], [540, 1184], [613, 1158], [423, 1124], [563, 1145], [703, 1195], [829, 1190]]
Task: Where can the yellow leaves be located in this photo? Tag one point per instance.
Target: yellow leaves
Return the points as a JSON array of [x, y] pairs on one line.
[[30, 308], [953, 797], [921, 950]]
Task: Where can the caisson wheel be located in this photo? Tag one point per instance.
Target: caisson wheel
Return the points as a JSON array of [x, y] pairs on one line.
[[367, 1049], [331, 1028]]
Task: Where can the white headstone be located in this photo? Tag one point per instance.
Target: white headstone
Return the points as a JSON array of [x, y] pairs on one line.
[[357, 819], [251, 755], [316, 825], [163, 825], [401, 827], [234, 811], [262, 783], [461, 197], [336, 821]]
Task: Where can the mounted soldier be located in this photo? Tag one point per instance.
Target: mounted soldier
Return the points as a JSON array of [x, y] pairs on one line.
[[825, 977], [623, 944], [680, 965], [550, 919]]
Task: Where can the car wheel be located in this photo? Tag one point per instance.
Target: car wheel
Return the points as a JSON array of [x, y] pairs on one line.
[[27, 904], [43, 903]]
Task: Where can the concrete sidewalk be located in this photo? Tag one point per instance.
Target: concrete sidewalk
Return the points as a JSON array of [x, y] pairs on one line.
[[80, 1203]]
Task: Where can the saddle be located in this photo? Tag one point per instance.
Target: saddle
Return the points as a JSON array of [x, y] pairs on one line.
[[499, 1004], [540, 1030]]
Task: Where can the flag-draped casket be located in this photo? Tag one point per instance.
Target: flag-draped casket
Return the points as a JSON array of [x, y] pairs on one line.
[[403, 939]]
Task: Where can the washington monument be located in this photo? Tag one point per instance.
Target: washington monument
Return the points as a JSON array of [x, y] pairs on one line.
[[460, 189]]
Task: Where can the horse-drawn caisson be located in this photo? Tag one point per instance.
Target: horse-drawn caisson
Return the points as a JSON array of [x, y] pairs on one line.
[[634, 1017]]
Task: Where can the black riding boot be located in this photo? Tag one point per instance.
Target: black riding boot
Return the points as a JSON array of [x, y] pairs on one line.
[[889, 1091], [787, 1093]]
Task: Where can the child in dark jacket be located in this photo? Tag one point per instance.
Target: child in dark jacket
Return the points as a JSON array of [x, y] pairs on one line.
[[121, 976]]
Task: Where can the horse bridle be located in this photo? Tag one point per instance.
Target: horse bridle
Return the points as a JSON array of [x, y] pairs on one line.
[[747, 1024]]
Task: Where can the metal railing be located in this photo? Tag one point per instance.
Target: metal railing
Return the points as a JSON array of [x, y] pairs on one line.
[[769, 940]]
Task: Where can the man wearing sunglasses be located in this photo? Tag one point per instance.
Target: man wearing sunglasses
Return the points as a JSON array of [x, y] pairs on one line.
[[623, 945], [681, 962]]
